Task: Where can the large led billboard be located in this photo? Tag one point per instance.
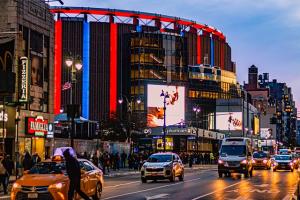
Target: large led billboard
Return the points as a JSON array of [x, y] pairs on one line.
[[174, 105], [231, 121]]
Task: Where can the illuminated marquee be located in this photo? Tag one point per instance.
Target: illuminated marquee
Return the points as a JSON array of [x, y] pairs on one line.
[[24, 80], [36, 126]]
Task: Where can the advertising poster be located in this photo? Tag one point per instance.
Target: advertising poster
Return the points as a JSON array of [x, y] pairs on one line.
[[231, 121], [36, 86], [174, 105]]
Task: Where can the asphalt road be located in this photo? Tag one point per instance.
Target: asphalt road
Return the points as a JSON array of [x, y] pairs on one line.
[[205, 184]]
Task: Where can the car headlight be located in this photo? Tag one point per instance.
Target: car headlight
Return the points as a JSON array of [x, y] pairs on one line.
[[295, 161], [16, 186], [291, 163], [221, 162], [265, 161], [275, 163], [253, 161], [57, 186], [244, 162]]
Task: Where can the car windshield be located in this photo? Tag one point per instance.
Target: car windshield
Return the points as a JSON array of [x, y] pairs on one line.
[[160, 158], [48, 168], [259, 155], [233, 150], [283, 158]]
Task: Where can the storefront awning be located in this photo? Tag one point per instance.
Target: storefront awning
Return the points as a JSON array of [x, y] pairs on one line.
[[63, 117]]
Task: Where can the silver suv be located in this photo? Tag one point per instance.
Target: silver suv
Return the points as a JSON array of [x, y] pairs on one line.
[[162, 166]]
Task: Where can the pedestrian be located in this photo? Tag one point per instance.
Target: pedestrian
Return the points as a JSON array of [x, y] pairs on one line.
[[117, 161], [106, 162], [3, 175], [27, 161], [95, 160], [36, 159], [212, 158], [191, 160], [74, 174], [8, 165], [123, 159]]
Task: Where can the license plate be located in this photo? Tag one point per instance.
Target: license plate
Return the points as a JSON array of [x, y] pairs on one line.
[[154, 174], [33, 195]]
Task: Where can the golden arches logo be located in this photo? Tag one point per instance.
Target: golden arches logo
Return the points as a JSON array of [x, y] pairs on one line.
[[3, 60]]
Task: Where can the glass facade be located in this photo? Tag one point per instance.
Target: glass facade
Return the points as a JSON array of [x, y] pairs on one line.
[[162, 58]]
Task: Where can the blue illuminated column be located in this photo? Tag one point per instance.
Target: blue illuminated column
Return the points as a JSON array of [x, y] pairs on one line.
[[86, 70], [212, 56]]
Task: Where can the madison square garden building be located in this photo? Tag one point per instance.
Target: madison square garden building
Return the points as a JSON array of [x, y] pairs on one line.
[[128, 58]]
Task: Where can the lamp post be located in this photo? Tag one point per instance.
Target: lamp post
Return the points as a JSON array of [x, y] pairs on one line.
[[197, 110], [129, 111], [165, 95], [76, 65]]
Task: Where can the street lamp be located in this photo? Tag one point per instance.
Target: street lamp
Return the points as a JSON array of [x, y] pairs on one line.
[[129, 111], [197, 110], [76, 65], [165, 95]]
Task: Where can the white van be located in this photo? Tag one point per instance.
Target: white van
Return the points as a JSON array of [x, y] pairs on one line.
[[235, 157]]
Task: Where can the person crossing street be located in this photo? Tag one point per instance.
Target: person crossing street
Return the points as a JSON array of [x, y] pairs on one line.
[[73, 171]]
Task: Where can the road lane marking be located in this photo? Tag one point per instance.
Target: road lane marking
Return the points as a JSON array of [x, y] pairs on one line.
[[158, 196], [150, 189], [208, 194], [123, 184], [262, 185]]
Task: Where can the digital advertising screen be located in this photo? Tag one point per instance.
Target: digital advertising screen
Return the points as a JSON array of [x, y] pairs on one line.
[[231, 121], [175, 105]]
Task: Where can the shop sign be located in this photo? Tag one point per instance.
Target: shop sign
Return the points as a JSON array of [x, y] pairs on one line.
[[50, 133], [37, 126], [3, 116], [24, 80]]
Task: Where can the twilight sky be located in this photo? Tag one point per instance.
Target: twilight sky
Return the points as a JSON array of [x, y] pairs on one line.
[[265, 33]]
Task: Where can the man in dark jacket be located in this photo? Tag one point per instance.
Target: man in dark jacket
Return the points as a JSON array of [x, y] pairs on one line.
[[73, 171], [27, 162]]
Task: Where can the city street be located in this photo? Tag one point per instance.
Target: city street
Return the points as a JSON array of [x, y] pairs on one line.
[[205, 184]]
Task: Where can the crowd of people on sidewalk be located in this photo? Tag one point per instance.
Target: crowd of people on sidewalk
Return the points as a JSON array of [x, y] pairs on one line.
[[204, 158], [115, 161]]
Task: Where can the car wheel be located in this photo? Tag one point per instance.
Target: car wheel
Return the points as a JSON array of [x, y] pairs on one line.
[[144, 180], [220, 175], [98, 192], [172, 178], [181, 177]]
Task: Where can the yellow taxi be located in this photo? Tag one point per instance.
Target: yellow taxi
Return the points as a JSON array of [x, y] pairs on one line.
[[48, 180]]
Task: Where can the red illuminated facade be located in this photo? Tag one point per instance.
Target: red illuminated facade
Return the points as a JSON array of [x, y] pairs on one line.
[[118, 64]]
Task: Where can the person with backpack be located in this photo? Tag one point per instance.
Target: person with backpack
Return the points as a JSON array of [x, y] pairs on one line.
[[3, 175]]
